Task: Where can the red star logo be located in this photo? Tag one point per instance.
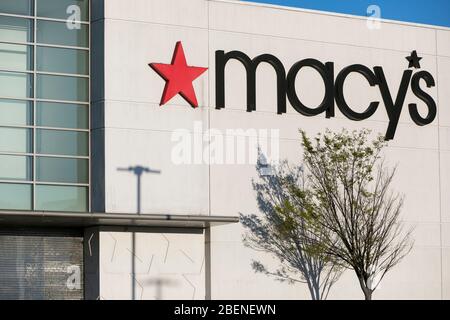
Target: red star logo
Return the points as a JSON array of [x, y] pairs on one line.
[[179, 77]]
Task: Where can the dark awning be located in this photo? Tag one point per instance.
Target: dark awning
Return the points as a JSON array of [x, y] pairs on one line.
[[73, 219]]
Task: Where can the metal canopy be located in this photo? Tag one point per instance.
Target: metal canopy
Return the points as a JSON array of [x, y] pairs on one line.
[[72, 219]]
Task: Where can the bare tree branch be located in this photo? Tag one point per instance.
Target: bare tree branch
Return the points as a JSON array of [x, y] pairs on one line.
[[350, 191], [283, 231]]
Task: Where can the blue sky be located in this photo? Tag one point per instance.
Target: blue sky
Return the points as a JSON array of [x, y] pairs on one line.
[[435, 12]]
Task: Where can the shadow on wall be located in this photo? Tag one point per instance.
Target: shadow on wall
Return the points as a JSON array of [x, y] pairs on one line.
[[283, 234], [138, 171], [159, 283]]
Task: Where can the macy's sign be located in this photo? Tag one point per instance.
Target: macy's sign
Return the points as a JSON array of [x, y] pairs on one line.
[[179, 77]]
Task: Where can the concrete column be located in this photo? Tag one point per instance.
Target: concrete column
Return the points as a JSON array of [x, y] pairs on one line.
[[92, 263]]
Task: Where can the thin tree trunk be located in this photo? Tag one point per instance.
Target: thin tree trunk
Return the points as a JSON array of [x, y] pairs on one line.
[[367, 292], [317, 290], [311, 289]]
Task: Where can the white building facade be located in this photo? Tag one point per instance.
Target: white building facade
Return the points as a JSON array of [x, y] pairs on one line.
[[162, 216]]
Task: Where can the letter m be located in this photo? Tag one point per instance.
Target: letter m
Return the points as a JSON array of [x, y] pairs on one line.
[[250, 66]]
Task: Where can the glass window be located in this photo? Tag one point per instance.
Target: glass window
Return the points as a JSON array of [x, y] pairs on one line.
[[15, 196], [56, 142], [62, 88], [61, 198], [16, 140], [61, 60], [16, 85], [33, 34], [16, 29], [16, 168], [16, 112], [62, 115], [75, 10], [52, 32], [16, 57], [23, 7], [62, 170]]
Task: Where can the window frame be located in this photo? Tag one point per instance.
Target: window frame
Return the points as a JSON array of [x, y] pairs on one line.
[[34, 73]]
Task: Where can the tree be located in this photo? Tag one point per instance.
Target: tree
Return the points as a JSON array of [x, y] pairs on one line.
[[282, 231], [353, 208]]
